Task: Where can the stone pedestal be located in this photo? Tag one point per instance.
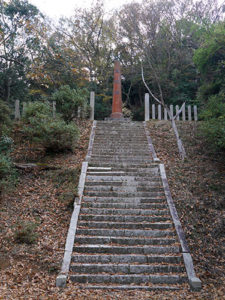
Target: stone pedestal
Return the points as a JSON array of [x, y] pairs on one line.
[[117, 94]]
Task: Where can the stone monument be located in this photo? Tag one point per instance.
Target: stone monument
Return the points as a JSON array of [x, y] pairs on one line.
[[117, 94]]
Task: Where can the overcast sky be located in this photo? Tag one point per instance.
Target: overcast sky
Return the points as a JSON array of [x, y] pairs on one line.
[[57, 8]]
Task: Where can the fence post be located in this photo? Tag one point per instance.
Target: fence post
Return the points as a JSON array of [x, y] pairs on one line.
[[165, 114], [146, 107], [189, 113], [195, 113], [54, 109], [153, 111], [17, 109], [177, 110], [92, 104], [183, 114], [159, 112], [171, 110], [78, 112], [24, 107]]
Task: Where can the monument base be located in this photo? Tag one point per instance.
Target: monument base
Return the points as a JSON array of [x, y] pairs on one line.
[[116, 115]]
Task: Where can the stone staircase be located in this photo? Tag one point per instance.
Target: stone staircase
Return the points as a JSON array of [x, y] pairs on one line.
[[125, 238]]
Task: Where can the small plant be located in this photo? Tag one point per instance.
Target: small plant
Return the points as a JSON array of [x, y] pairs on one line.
[[25, 233]]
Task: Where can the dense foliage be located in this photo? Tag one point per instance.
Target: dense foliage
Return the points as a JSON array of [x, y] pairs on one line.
[[179, 43]]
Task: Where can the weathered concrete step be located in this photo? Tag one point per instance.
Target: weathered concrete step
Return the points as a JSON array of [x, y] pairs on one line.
[[123, 178], [112, 157], [123, 194], [126, 232], [127, 258], [124, 189], [121, 225], [119, 153], [132, 287], [141, 167], [119, 161], [123, 240], [119, 200], [122, 218], [143, 212], [114, 148], [127, 279], [123, 183], [123, 172], [124, 205], [126, 250], [125, 268]]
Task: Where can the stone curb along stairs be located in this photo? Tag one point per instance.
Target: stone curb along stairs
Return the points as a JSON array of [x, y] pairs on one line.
[[125, 232]]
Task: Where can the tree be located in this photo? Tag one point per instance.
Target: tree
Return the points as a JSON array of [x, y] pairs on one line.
[[18, 45]]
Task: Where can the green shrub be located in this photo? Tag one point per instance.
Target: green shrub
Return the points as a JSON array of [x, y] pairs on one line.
[[8, 175], [54, 134], [68, 100], [213, 127], [5, 121], [6, 143], [25, 233], [58, 136]]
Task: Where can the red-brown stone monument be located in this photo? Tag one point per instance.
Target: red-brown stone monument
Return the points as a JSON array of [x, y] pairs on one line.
[[117, 94]]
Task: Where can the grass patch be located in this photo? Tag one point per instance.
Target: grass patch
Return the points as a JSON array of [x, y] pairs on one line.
[[26, 233]]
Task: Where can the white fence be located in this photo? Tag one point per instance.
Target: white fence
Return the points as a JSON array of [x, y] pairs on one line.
[[156, 112]]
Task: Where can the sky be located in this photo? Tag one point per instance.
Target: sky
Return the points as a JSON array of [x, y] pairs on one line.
[[57, 8]]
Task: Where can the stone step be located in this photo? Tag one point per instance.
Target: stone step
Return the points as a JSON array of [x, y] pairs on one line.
[[143, 212], [122, 178], [127, 279], [122, 218], [118, 161], [127, 258], [124, 205], [126, 233], [119, 200], [124, 188], [143, 249], [120, 156], [124, 287], [120, 225], [127, 174], [125, 268], [123, 194], [125, 168], [123, 240]]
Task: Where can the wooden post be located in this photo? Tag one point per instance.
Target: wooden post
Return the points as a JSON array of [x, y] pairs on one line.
[[183, 114], [17, 109], [54, 109], [159, 112], [189, 113], [92, 104], [171, 110], [177, 110], [146, 107], [195, 113], [153, 111]]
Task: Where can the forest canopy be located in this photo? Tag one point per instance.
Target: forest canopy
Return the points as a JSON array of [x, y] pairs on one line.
[[179, 42]]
